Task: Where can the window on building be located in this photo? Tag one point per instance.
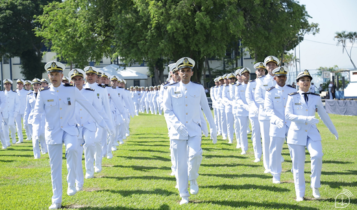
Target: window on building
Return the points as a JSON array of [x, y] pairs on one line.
[[136, 82], [16, 61]]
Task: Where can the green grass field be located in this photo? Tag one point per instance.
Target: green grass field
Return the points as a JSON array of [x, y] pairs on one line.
[[138, 177]]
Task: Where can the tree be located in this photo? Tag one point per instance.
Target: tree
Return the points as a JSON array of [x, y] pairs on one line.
[[17, 37], [342, 38], [82, 30]]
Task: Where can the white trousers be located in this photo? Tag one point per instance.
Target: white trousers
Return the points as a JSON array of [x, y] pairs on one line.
[[147, 107], [264, 129], [136, 105], [243, 124], [275, 148], [9, 123], [89, 147], [223, 121], [159, 107], [257, 143], [230, 125], [98, 155], [215, 119], [79, 167], [219, 124], [28, 130], [173, 161], [55, 154], [36, 145], [237, 129], [18, 121], [298, 158], [188, 157]]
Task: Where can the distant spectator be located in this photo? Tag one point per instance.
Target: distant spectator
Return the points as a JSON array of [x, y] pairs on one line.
[[332, 90], [312, 88], [320, 88]]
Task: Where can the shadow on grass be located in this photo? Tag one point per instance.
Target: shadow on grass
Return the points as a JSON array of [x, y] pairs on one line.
[[246, 204], [228, 165], [247, 187], [148, 145], [140, 142], [162, 207], [126, 193], [6, 161], [339, 184], [147, 158], [147, 150], [143, 168], [146, 178], [16, 155], [224, 156], [336, 162], [233, 176]]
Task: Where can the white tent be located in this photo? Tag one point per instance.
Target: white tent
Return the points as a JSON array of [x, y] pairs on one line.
[[127, 73]]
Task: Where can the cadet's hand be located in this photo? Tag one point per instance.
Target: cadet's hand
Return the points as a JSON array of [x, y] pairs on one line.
[[213, 135], [312, 120], [279, 123], [336, 136]]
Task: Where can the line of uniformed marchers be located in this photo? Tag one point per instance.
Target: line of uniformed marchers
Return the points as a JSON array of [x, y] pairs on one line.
[[89, 111]]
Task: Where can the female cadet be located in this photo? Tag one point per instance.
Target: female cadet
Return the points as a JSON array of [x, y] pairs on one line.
[[300, 110]]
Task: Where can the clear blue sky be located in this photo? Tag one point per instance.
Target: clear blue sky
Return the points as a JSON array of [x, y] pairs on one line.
[[332, 16]]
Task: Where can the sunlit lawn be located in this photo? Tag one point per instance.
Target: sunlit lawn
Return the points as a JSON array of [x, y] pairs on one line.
[[138, 177]]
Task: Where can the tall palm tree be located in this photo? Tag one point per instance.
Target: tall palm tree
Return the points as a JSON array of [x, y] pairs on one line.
[[342, 38]]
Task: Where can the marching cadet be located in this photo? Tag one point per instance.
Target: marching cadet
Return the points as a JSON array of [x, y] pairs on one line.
[[101, 95], [141, 103], [2, 107], [254, 111], [58, 104], [275, 102], [136, 100], [158, 100], [129, 105], [183, 102], [65, 80], [154, 98], [29, 117], [218, 105], [243, 108], [303, 133], [10, 112], [235, 109], [86, 127], [28, 85], [121, 113], [28, 127], [145, 100], [214, 103], [228, 101], [222, 112], [263, 84], [44, 83], [22, 93], [117, 107]]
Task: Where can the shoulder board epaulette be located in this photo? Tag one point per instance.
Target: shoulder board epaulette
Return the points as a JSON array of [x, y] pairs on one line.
[[165, 87], [262, 76], [294, 93], [196, 83], [270, 88], [44, 88], [26, 90], [68, 85], [252, 80], [238, 84], [173, 83], [106, 85], [315, 94], [121, 87], [29, 93], [100, 85], [14, 91], [88, 89], [290, 86]]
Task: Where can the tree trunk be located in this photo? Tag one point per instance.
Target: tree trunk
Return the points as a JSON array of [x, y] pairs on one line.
[[209, 69]]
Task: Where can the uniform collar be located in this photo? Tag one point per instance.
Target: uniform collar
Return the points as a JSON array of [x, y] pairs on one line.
[[185, 85], [56, 88], [279, 88]]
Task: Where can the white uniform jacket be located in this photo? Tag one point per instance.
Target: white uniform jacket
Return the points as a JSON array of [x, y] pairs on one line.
[[219, 97], [182, 108], [83, 118], [226, 97], [212, 92], [22, 99], [263, 84], [12, 107], [243, 108], [58, 104], [249, 95], [30, 105], [275, 103], [297, 112]]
